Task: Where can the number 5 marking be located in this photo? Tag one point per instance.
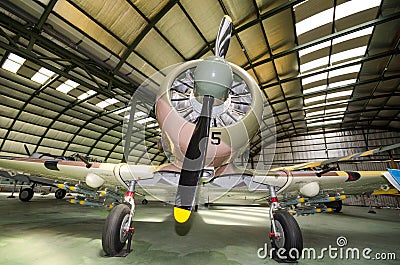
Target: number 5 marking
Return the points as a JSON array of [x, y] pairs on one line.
[[215, 139]]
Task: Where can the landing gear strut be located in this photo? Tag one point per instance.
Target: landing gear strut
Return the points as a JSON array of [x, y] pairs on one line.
[[118, 228], [286, 238]]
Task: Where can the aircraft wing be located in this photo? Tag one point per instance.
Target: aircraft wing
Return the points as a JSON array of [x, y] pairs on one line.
[[94, 174]]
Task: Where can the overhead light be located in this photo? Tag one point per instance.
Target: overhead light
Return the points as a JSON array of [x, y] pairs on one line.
[[107, 102], [42, 75], [67, 86], [13, 63], [87, 94]]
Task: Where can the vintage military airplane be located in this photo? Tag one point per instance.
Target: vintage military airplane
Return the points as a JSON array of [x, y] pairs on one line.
[[208, 112]]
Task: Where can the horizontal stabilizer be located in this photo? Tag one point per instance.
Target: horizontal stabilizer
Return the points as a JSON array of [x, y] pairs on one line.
[[393, 176]]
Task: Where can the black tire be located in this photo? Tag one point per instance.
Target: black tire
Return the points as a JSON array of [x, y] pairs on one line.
[[291, 239], [336, 206], [60, 193], [26, 194], [112, 240]]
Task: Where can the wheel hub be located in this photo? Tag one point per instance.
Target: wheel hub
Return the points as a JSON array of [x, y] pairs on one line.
[[279, 235], [124, 231]]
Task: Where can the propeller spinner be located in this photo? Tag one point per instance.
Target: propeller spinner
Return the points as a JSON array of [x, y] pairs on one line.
[[213, 78]]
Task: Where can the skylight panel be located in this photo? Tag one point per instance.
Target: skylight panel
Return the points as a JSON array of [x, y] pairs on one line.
[[152, 125], [315, 119], [342, 83], [345, 55], [332, 85], [314, 48], [107, 102], [87, 94], [314, 99], [315, 113], [339, 94], [323, 123], [13, 63], [314, 21], [112, 101], [357, 34], [314, 89], [335, 110], [354, 6], [314, 78], [122, 110], [42, 75], [346, 70], [326, 104], [344, 10], [16, 58], [140, 114], [314, 64], [360, 33], [146, 120], [67, 86], [337, 57]]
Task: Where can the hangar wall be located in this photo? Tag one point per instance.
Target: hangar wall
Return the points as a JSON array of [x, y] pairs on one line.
[[320, 146]]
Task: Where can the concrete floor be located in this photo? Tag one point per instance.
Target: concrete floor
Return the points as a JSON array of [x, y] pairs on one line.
[[50, 231]]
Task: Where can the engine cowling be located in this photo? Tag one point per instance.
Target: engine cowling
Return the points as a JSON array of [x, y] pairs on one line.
[[234, 121]]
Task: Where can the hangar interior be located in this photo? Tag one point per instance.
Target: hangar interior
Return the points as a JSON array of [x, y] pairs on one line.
[[327, 68]]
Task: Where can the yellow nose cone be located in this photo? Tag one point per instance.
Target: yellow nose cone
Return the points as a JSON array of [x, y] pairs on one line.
[[181, 215]]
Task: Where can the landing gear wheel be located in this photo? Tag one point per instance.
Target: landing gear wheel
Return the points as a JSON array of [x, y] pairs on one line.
[[336, 206], [144, 201], [26, 194], [288, 238], [114, 232], [60, 193]]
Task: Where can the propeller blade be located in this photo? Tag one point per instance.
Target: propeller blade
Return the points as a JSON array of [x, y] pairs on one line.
[[193, 164], [223, 37]]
